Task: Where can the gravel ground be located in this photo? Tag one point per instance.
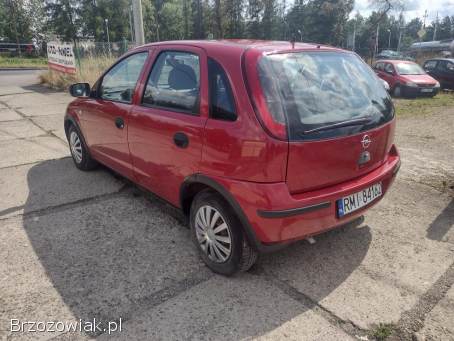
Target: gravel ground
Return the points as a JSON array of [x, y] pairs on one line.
[[90, 245]]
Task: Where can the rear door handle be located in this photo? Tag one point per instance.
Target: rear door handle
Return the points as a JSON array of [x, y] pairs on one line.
[[181, 140], [119, 123]]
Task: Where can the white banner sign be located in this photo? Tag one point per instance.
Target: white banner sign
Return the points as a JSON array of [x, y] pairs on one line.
[[60, 57]]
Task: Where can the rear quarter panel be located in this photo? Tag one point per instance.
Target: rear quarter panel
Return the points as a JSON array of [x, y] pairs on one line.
[[241, 150]]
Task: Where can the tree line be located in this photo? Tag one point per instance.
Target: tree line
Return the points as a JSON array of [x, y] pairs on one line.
[[323, 21]]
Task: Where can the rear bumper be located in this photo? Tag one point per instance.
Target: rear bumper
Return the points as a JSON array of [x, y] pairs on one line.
[[278, 217]]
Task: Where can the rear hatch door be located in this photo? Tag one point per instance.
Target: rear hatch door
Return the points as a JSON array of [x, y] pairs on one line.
[[338, 115]]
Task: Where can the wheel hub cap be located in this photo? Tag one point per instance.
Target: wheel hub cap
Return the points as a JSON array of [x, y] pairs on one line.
[[76, 147], [213, 234]]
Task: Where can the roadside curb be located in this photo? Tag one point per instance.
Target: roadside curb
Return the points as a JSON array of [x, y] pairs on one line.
[[22, 68]]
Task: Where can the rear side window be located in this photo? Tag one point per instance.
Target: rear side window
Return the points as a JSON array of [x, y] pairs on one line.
[[429, 65], [222, 106], [379, 66], [174, 82], [119, 82], [446, 66]]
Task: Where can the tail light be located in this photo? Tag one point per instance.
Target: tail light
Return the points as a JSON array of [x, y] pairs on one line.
[[266, 100]]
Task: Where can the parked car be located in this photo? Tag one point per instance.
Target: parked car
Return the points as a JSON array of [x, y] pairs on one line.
[[392, 55], [406, 78], [13, 48], [442, 69], [259, 144]]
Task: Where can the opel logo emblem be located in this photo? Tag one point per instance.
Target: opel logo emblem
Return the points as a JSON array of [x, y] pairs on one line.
[[366, 141]]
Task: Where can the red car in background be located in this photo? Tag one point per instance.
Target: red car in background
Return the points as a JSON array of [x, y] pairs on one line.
[[406, 78], [258, 143]]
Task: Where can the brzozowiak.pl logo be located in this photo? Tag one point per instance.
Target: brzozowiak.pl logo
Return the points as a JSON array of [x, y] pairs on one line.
[[92, 326]]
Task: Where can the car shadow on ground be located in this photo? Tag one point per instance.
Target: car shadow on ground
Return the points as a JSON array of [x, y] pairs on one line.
[[442, 224], [118, 254]]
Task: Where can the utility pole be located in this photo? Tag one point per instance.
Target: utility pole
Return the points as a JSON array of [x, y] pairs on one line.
[[425, 17], [376, 40], [435, 29], [400, 38], [108, 37], [389, 39], [138, 22], [130, 23], [354, 35]]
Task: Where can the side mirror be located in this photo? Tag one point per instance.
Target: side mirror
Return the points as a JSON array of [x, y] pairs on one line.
[[80, 90]]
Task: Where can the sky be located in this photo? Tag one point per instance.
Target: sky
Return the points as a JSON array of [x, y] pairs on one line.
[[413, 8]]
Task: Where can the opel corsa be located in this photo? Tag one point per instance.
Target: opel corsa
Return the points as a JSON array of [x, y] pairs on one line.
[[258, 143]]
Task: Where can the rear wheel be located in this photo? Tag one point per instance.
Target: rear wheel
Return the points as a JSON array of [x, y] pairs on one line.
[[79, 150], [219, 236]]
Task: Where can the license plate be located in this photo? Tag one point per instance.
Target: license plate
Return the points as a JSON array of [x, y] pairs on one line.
[[426, 90], [357, 200]]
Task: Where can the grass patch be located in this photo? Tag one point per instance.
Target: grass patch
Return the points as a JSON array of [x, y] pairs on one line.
[[423, 105], [24, 62], [382, 331], [89, 72]]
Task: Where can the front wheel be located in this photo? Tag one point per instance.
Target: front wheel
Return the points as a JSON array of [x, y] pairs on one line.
[[219, 236], [397, 91], [79, 150]]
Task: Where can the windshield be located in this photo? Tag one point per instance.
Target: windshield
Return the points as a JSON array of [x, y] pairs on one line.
[[318, 89], [409, 69]]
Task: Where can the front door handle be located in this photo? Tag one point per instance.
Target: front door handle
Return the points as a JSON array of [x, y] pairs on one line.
[[119, 123], [181, 140]]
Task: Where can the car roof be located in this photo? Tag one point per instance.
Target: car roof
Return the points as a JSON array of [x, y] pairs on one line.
[[447, 59], [241, 45], [395, 61]]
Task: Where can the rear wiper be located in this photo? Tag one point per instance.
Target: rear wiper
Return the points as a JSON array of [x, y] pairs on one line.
[[354, 122]]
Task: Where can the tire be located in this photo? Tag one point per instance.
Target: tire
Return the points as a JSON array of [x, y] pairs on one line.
[[397, 91], [225, 250], [79, 150]]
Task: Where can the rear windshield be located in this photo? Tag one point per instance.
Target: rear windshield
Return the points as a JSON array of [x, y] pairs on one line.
[[409, 69], [314, 91]]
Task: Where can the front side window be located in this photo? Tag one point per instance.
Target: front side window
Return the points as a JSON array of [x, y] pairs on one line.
[[389, 69], [174, 82], [222, 106], [119, 83], [409, 69], [313, 90]]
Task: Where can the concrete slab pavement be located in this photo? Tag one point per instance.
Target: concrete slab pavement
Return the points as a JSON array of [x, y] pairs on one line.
[[29, 188], [19, 129], [7, 114], [101, 259], [30, 150], [52, 123], [238, 309]]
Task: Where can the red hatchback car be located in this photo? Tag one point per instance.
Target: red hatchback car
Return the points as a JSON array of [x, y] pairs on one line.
[[406, 78], [258, 143]]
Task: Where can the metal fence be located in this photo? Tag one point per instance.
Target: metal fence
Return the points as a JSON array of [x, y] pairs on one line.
[[89, 49]]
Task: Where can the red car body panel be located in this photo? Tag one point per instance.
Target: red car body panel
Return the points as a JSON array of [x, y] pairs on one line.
[[324, 164], [259, 172]]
